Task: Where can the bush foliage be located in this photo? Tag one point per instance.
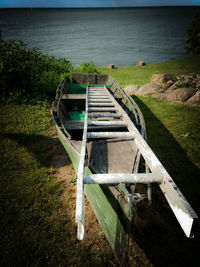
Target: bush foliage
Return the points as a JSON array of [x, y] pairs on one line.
[[27, 74]]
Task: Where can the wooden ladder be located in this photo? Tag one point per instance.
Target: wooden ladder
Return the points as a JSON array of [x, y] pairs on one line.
[[100, 104]]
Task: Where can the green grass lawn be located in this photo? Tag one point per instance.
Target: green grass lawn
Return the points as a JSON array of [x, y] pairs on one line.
[[140, 75], [173, 133]]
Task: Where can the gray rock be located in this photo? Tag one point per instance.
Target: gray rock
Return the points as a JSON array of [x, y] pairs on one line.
[[140, 63], [131, 89], [194, 100], [162, 78], [162, 96], [181, 94], [150, 89]]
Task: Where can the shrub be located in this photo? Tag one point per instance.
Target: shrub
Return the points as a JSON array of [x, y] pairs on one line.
[[28, 72], [27, 75], [87, 67], [188, 80]]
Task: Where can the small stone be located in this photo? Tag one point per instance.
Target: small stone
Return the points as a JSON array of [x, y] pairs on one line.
[[140, 63], [111, 66]]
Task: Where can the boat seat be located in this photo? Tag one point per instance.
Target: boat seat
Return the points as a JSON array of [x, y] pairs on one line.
[[79, 125]]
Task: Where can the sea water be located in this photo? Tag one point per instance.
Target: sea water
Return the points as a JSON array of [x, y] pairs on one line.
[[121, 36]]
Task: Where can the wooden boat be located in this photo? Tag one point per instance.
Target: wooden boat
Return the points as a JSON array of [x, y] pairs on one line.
[[103, 131]]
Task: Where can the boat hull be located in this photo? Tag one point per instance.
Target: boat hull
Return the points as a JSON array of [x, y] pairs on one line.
[[111, 207]]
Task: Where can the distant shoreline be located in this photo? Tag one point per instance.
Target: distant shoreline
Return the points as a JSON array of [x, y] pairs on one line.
[[127, 7]]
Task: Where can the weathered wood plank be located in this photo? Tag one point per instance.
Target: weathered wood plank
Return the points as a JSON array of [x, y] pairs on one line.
[[70, 125]]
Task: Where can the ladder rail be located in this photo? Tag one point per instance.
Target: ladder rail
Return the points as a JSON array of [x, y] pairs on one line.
[[182, 210], [80, 213], [179, 205]]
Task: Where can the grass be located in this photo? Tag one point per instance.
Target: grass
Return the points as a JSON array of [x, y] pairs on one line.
[[36, 227], [140, 75], [173, 133]]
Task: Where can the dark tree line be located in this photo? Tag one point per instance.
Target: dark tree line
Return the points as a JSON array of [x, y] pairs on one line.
[[193, 41]]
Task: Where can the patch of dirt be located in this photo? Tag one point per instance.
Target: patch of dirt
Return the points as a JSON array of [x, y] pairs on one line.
[[95, 245], [95, 242]]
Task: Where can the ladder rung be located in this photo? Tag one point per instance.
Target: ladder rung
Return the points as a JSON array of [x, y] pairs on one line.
[[96, 100], [110, 135], [116, 178], [99, 97], [96, 115], [96, 90], [102, 109], [101, 105], [117, 123], [94, 93]]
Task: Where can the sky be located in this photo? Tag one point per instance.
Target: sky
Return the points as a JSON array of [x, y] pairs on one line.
[[95, 3]]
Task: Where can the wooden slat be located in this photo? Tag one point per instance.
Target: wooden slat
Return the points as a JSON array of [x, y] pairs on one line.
[[80, 126]]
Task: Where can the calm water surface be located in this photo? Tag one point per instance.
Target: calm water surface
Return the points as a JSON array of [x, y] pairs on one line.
[[118, 36]]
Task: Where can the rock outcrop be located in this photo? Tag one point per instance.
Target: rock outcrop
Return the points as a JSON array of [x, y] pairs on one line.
[[181, 94], [194, 100], [166, 87], [131, 89], [163, 78], [150, 89]]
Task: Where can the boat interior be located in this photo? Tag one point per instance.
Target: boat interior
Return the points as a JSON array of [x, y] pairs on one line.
[[105, 155]]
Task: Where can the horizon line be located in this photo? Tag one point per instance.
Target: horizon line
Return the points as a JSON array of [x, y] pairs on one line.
[[28, 7]]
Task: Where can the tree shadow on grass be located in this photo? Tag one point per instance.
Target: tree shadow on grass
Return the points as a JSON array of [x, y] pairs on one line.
[[36, 228], [157, 232], [43, 148]]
